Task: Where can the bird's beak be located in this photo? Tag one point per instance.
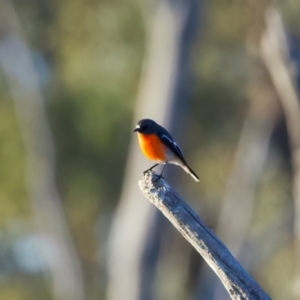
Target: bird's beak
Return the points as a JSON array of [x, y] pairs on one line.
[[137, 128]]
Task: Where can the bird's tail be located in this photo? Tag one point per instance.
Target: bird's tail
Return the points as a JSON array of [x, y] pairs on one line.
[[191, 172]]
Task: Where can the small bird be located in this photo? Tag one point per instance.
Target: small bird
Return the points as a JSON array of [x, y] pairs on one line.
[[158, 145]]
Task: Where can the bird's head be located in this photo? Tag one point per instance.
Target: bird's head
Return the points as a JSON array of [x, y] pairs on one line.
[[145, 126]]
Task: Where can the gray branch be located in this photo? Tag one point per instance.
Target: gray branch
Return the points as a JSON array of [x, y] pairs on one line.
[[238, 283]]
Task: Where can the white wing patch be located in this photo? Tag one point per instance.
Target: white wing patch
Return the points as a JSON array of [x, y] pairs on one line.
[[177, 148], [172, 142], [166, 137]]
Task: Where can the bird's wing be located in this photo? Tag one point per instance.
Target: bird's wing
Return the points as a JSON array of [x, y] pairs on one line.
[[171, 144]]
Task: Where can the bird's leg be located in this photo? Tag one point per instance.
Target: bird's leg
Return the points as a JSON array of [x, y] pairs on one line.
[[160, 176], [150, 169]]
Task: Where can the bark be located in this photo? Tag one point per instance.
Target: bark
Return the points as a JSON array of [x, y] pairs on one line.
[[238, 283]]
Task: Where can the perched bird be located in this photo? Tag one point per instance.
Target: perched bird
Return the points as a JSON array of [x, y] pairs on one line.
[[158, 145]]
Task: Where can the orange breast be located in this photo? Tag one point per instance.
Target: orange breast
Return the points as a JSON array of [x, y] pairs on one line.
[[152, 147]]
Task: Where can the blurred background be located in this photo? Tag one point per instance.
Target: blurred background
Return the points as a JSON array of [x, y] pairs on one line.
[[76, 76]]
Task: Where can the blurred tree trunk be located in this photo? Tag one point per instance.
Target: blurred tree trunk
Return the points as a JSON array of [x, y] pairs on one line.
[[136, 230], [243, 181], [249, 163], [275, 54], [15, 59], [250, 157], [267, 36]]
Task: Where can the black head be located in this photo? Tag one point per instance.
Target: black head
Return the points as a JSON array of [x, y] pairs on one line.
[[146, 126]]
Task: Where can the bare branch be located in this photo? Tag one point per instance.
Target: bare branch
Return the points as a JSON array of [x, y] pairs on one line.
[[239, 284]]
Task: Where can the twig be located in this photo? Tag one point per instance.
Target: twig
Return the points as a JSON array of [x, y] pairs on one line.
[[239, 284]]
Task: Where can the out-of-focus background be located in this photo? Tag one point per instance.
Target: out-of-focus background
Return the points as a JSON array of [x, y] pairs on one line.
[[75, 76]]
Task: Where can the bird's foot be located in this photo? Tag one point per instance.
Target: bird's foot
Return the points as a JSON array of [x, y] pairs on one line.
[[157, 177]]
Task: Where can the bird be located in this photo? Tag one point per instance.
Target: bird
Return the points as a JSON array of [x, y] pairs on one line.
[[158, 145]]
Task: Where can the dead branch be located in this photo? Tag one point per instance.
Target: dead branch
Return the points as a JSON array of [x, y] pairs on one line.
[[238, 283]]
